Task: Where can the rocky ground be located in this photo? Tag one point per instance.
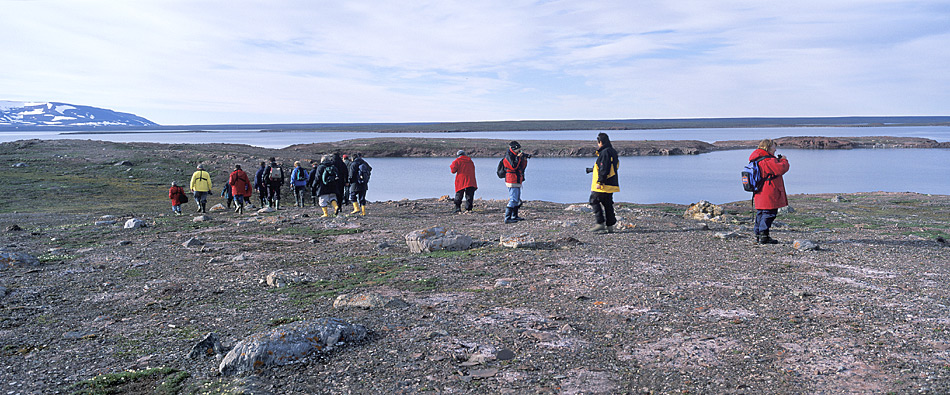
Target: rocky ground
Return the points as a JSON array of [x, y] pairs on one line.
[[667, 305]]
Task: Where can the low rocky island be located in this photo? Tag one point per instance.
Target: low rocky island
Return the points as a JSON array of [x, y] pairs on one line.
[[680, 300]]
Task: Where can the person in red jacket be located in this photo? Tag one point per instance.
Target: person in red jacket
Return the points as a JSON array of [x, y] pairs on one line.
[[515, 162], [464, 170], [772, 195], [177, 195], [240, 188]]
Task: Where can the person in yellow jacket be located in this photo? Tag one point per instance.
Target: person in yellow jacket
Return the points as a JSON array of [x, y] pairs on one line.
[[201, 186], [605, 182]]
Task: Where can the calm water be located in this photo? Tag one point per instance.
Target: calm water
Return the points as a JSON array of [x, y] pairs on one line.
[[674, 179]]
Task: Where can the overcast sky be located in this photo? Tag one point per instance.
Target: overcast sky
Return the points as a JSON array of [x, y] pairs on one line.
[[212, 62]]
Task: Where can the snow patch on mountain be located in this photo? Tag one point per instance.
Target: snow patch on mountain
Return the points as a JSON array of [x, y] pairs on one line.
[[53, 114]]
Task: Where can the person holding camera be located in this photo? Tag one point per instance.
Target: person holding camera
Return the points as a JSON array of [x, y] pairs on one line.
[[605, 182], [772, 196], [515, 162]]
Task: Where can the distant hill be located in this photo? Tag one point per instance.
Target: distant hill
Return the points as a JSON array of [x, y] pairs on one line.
[[37, 115]]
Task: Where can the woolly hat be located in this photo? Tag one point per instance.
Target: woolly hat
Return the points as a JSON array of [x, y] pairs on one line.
[[460, 153], [514, 145], [201, 166]]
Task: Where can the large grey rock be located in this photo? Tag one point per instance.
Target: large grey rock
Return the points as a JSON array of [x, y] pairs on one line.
[[11, 259], [201, 218], [786, 210], [804, 245], [193, 242], [134, 223], [582, 208], [437, 238], [368, 300], [290, 343], [209, 346], [218, 207]]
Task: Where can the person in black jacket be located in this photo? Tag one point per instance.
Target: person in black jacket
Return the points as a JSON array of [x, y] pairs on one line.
[[605, 182], [343, 170], [359, 183], [260, 184], [326, 185], [274, 178]]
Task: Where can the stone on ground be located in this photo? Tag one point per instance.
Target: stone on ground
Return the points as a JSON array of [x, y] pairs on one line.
[[518, 241], [201, 218], [368, 300], [193, 242], [289, 344], [437, 238], [218, 207], [704, 211], [11, 259], [134, 223], [209, 346], [804, 245], [583, 208], [266, 210]]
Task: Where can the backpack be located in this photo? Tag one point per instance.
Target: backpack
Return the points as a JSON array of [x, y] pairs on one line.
[[501, 170], [329, 175], [276, 173], [364, 172], [301, 175], [752, 179]]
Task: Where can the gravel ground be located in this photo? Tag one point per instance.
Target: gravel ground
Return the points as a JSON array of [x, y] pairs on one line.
[[663, 306]]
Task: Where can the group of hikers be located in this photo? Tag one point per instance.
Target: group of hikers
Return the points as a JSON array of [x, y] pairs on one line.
[[332, 182], [336, 180]]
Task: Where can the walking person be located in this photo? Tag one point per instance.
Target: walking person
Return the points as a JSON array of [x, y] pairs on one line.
[[260, 184], [772, 196], [177, 195], [514, 163], [326, 185], [359, 174], [346, 181], [240, 188], [201, 187], [604, 184], [298, 181], [313, 182], [226, 194], [343, 173], [464, 170], [274, 178]]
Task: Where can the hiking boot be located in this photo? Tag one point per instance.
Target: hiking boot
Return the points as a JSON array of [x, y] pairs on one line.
[[508, 218], [765, 239], [458, 210], [599, 228], [514, 214], [610, 229]]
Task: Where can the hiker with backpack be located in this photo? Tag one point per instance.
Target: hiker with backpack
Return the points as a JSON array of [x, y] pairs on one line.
[[342, 194], [511, 168], [274, 179], [464, 170], [260, 184], [346, 182], [763, 176], [325, 185], [226, 194], [201, 187], [604, 184], [298, 181], [359, 174], [178, 197], [240, 188]]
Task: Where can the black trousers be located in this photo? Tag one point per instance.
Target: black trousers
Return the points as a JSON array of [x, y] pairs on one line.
[[603, 205], [469, 194]]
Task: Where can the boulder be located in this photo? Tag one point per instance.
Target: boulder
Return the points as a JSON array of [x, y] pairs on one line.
[[134, 223], [704, 211], [804, 245], [786, 210], [123, 163], [583, 208], [105, 222], [14, 228], [19, 164], [437, 238], [11, 259], [266, 210], [279, 279], [733, 234], [201, 218], [368, 300], [218, 208], [290, 343], [518, 241], [193, 242], [209, 346]]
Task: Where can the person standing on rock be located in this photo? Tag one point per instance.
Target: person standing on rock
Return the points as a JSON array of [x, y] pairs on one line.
[[326, 180], [604, 184], [240, 188], [274, 178], [341, 189], [772, 196], [464, 170], [201, 187], [177, 195], [359, 174], [260, 184], [515, 162], [298, 180]]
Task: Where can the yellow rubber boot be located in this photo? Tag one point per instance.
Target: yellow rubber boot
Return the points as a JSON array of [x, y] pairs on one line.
[[356, 208], [325, 213], [363, 210], [335, 207]]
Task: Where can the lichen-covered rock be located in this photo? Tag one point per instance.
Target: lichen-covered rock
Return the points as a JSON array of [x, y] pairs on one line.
[[704, 211], [368, 300], [10, 259], [804, 245], [517, 241], [289, 344], [437, 238]]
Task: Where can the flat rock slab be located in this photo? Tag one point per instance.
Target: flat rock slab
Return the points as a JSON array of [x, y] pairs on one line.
[[437, 238], [518, 241], [289, 344], [368, 300]]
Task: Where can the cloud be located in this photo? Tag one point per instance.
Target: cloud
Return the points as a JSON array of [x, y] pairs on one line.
[[180, 62]]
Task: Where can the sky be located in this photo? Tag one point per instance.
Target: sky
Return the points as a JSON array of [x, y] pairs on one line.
[[181, 62]]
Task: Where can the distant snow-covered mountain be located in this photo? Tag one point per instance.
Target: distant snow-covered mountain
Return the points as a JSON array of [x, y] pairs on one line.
[[53, 114]]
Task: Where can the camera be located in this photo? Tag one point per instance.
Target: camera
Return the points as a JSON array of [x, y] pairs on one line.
[[589, 170]]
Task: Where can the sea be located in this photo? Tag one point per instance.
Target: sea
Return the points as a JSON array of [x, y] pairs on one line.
[[680, 179]]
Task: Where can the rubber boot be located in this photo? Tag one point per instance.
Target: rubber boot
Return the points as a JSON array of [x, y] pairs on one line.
[[363, 210], [336, 207], [325, 212], [610, 229], [509, 219], [765, 239], [241, 209], [514, 213], [356, 208], [276, 204]]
